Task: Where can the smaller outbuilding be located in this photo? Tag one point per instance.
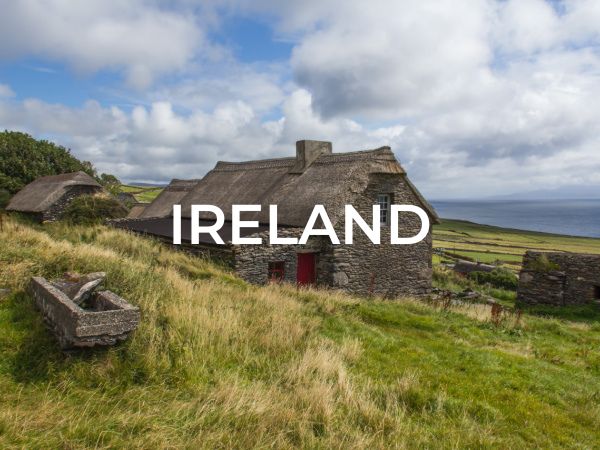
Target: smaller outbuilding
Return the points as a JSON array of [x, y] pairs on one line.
[[127, 198], [558, 279], [46, 198]]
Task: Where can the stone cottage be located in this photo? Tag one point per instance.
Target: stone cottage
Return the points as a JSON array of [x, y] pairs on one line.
[[314, 176], [559, 279], [46, 198]]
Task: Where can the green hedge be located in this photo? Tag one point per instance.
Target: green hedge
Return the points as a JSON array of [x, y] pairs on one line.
[[4, 198], [24, 159], [90, 209], [500, 278]]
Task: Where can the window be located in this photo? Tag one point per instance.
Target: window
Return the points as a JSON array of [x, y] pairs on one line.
[[383, 200], [276, 271], [596, 292]]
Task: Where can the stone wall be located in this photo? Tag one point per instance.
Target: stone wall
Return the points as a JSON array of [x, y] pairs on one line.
[[57, 209], [109, 320], [362, 268], [385, 269], [559, 279], [252, 261]]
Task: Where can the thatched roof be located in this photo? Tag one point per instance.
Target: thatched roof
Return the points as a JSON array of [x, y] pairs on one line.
[[40, 194], [136, 210], [162, 205], [329, 179], [163, 228]]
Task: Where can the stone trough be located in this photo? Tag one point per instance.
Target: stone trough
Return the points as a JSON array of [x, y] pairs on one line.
[[105, 320]]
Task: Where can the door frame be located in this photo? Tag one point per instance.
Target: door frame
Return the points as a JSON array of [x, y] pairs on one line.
[[302, 255]]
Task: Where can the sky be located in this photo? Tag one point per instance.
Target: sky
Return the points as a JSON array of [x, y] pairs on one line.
[[476, 98]]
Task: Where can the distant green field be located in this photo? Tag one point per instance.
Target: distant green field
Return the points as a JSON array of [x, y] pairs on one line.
[[141, 193], [489, 244]]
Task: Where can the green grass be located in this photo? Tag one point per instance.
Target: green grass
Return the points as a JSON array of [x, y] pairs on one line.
[[489, 244], [144, 194], [485, 257], [457, 239], [217, 363]]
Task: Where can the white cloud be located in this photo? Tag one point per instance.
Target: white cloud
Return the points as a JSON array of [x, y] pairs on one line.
[[527, 26], [260, 86], [152, 143], [156, 144], [6, 91], [136, 36], [473, 88], [477, 97]]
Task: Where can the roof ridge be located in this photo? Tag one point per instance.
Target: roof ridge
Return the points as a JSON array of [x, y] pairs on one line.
[[284, 161], [348, 156], [256, 164], [360, 152], [61, 175], [66, 178]]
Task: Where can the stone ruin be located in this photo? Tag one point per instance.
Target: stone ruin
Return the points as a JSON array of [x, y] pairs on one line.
[[559, 279], [80, 316]]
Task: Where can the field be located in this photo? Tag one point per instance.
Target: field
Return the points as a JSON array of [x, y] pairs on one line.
[[218, 363], [143, 194], [488, 244]]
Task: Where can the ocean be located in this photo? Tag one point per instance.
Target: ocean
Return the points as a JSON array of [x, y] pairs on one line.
[[571, 217]]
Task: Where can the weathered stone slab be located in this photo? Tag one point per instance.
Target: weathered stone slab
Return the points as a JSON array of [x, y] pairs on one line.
[[79, 287], [108, 320], [86, 291]]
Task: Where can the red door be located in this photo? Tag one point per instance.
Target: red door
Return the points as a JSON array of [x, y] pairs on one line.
[[305, 274]]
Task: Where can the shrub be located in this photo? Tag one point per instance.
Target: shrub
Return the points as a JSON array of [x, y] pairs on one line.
[[110, 183], [24, 159], [4, 198], [91, 209], [500, 278], [541, 263]]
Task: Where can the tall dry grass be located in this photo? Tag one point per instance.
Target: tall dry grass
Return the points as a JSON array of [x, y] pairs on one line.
[[218, 363], [214, 363]]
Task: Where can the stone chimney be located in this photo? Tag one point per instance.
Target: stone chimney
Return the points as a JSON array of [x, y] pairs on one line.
[[307, 152]]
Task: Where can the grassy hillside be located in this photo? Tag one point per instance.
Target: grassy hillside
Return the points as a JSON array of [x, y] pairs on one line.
[[144, 194], [219, 363], [489, 244]]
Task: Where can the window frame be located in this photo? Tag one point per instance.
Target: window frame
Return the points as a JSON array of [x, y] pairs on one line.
[[384, 199], [273, 268]]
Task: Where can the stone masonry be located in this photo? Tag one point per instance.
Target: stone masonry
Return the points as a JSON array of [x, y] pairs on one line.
[[316, 176], [56, 211], [385, 269], [252, 261], [362, 268], [108, 320], [559, 279]]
